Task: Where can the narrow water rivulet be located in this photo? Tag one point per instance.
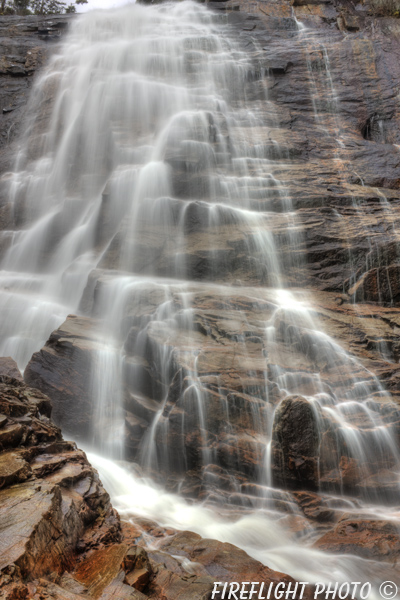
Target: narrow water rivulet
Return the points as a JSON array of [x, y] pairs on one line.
[[152, 197]]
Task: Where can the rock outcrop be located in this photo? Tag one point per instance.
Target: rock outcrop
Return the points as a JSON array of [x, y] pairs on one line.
[[64, 374], [296, 458], [370, 539], [61, 538], [230, 372], [53, 507], [27, 43]]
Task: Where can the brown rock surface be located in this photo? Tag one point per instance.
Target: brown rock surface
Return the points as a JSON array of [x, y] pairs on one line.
[[184, 565], [368, 538], [9, 367], [228, 346], [51, 498], [62, 370], [296, 457], [60, 537]]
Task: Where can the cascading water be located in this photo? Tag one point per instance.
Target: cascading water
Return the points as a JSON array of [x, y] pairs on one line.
[[145, 198]]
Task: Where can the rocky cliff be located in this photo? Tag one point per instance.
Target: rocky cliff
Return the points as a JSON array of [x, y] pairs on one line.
[[52, 504], [60, 537], [26, 44]]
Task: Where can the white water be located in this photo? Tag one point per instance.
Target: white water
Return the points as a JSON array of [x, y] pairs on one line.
[[152, 124], [262, 536]]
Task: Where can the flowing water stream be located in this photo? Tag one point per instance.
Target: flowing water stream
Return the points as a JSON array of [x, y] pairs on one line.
[[144, 197]]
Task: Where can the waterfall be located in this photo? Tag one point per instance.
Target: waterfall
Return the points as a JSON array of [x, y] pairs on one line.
[[146, 196]]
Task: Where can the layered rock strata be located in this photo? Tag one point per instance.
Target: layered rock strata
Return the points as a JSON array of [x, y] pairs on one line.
[[61, 538], [27, 42], [230, 371], [53, 506]]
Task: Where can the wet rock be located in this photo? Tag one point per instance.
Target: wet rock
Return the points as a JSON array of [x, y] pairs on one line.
[[307, 2], [185, 565], [378, 285], [221, 330], [278, 67], [13, 468], [74, 344], [30, 519], [23, 51], [351, 22], [135, 430], [314, 507], [224, 5], [9, 367], [61, 518], [368, 538], [51, 499], [11, 435], [137, 568], [101, 568], [295, 444], [221, 562]]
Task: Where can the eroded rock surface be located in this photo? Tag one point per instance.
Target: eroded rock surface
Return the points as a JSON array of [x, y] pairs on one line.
[[377, 540], [223, 353], [61, 538], [26, 44], [52, 504]]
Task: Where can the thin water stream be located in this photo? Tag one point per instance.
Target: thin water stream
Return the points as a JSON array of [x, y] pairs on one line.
[[143, 196]]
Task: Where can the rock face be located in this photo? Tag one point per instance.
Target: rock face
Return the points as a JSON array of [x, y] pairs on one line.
[[333, 146], [26, 44], [52, 504], [378, 540], [230, 373], [329, 135], [185, 565], [63, 371], [295, 458], [60, 536], [9, 367]]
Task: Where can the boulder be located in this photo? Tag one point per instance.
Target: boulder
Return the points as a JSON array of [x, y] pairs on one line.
[[62, 369], [9, 367], [365, 537], [295, 444]]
